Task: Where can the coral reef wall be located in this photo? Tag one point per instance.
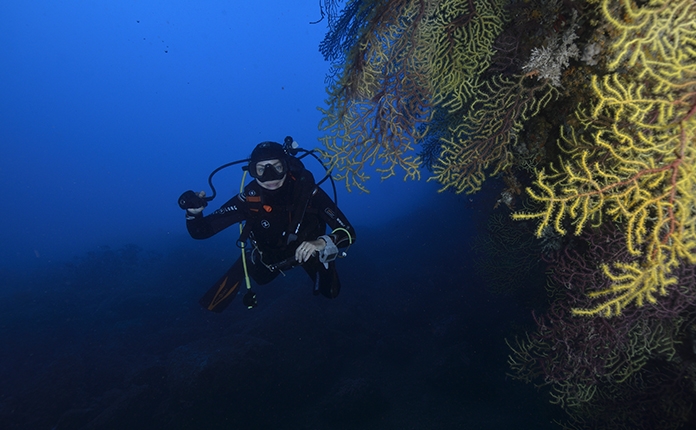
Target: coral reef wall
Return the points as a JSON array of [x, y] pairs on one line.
[[590, 108]]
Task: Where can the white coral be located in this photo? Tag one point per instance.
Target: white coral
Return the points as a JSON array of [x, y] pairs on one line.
[[549, 61]]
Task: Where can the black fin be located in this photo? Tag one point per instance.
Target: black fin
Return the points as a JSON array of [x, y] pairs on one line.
[[221, 294]]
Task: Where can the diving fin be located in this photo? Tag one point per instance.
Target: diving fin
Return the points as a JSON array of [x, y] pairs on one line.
[[221, 294]]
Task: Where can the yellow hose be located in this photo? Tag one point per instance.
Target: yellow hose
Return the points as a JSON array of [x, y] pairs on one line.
[[244, 263]]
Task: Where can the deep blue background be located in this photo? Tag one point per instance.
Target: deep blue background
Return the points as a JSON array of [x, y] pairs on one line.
[[108, 111]]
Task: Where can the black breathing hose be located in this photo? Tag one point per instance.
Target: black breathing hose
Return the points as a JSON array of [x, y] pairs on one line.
[[210, 178], [246, 160]]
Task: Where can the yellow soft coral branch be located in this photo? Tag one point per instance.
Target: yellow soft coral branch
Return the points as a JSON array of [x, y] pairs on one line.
[[376, 107], [461, 37], [639, 168], [411, 56], [484, 137], [631, 283], [658, 38]]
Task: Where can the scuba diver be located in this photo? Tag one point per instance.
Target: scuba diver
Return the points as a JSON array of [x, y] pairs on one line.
[[283, 215]]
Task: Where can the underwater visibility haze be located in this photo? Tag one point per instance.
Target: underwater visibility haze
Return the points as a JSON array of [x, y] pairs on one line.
[[525, 254]]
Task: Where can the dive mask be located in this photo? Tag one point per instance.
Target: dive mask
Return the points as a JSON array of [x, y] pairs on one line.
[[265, 171]]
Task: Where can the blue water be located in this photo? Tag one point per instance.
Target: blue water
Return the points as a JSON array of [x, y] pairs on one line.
[[108, 111]]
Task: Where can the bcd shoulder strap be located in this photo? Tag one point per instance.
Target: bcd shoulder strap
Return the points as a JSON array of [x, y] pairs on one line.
[[305, 187]]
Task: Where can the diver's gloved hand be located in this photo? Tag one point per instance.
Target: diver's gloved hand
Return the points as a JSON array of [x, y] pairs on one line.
[[193, 202], [308, 248]]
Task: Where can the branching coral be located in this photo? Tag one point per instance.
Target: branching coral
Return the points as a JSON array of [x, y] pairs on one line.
[[587, 361], [345, 28], [659, 40], [639, 167], [461, 36], [381, 96], [408, 57], [485, 136], [549, 61]]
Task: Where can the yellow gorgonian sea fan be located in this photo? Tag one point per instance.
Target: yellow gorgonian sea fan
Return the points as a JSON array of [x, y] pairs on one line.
[[409, 57], [639, 168]]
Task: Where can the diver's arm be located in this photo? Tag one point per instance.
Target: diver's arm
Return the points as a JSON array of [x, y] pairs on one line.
[[337, 221], [203, 227]]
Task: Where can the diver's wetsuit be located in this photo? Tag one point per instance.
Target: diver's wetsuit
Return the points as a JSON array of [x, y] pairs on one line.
[[268, 215]]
